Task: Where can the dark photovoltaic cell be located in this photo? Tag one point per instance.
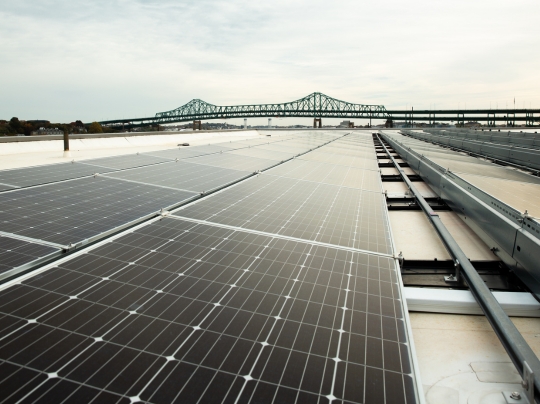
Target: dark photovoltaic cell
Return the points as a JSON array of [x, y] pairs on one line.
[[24, 177], [182, 175], [307, 210], [15, 253], [333, 174], [126, 161], [234, 162], [71, 211], [182, 313]]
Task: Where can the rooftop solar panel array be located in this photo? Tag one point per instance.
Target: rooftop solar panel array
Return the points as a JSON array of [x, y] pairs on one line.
[[281, 288]]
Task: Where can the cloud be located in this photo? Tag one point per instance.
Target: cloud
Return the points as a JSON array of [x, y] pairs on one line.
[[65, 60]]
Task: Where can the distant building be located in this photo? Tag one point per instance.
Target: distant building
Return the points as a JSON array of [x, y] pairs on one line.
[[346, 124], [48, 131]]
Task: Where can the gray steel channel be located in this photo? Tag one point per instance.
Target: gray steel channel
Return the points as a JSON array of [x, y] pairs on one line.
[[512, 340], [512, 235]]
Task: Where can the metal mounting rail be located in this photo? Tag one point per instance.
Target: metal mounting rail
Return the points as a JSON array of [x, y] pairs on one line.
[[520, 352]]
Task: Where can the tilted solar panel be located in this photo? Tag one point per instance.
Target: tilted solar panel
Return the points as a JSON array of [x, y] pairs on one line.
[[28, 176], [235, 162], [182, 175], [125, 161], [71, 211], [311, 211]]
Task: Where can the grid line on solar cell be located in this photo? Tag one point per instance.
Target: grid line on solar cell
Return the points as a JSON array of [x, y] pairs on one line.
[[295, 208], [127, 359], [182, 175], [71, 211], [15, 253]]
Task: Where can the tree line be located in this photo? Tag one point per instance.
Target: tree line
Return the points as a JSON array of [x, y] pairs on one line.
[[15, 127]]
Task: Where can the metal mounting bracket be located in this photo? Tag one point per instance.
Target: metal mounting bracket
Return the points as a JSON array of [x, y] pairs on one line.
[[527, 395], [455, 277], [164, 212]]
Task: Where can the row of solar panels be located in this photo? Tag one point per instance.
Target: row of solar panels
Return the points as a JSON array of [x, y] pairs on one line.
[[281, 288], [78, 208], [516, 155], [514, 138]]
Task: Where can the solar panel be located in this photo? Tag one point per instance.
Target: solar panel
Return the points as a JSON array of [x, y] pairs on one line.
[[182, 175], [15, 253], [263, 154], [235, 162], [177, 312], [333, 174], [71, 211], [338, 158], [311, 211], [193, 151], [24, 177], [126, 161]]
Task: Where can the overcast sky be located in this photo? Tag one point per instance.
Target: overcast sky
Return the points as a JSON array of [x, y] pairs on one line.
[[93, 60]]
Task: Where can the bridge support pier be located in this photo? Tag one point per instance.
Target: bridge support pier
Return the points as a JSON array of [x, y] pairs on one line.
[[197, 124], [317, 120]]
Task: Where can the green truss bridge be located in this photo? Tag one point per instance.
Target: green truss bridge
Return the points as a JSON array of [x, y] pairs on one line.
[[318, 106]]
